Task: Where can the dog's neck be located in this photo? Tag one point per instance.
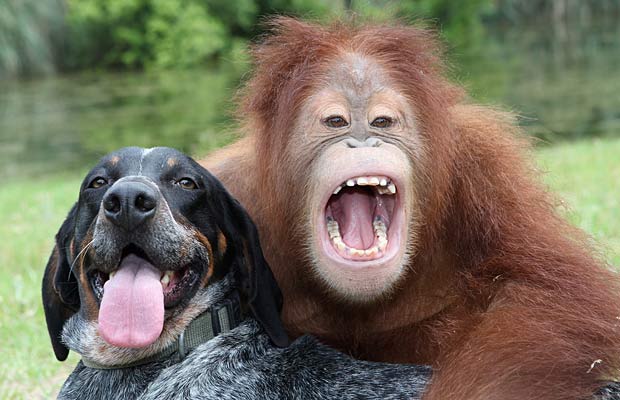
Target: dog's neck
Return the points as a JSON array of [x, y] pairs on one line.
[[212, 310]]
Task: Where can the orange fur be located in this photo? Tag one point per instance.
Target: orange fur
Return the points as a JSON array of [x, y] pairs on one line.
[[503, 297]]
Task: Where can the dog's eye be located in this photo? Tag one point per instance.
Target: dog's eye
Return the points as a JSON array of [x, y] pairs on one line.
[[97, 182], [382, 122], [187, 184]]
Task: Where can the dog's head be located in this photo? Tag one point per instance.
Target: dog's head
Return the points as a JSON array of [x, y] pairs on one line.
[[152, 228]]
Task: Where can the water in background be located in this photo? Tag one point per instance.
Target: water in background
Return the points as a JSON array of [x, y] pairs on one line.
[[59, 124], [565, 85], [563, 80]]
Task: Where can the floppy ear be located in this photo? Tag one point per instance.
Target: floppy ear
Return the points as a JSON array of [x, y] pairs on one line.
[[60, 288], [251, 270]]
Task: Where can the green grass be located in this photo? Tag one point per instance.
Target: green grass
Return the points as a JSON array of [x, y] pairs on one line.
[[585, 174], [30, 214]]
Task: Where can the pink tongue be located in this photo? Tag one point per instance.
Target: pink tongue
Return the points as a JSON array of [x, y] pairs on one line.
[[132, 308], [354, 211]]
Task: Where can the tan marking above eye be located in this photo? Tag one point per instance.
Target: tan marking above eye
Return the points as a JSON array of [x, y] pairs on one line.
[[114, 160], [171, 162]]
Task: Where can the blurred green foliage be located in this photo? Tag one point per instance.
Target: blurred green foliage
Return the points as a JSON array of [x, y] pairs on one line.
[[460, 23], [166, 33], [38, 36], [135, 33], [160, 34], [31, 32]]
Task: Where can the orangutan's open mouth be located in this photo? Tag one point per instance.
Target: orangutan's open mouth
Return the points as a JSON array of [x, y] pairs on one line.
[[358, 216]]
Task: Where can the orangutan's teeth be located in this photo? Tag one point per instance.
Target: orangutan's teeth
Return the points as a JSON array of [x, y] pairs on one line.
[[112, 274], [356, 252], [383, 185], [379, 225], [339, 243], [371, 251], [383, 190], [333, 229]]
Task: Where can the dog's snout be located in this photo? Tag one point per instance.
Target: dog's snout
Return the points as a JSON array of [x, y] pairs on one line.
[[129, 204]]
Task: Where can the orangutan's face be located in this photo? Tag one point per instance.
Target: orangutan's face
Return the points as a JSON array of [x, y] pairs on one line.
[[362, 195]]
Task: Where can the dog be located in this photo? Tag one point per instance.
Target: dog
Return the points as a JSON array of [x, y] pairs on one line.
[[158, 281]]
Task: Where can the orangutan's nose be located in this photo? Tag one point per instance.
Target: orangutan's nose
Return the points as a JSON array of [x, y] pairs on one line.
[[369, 142]]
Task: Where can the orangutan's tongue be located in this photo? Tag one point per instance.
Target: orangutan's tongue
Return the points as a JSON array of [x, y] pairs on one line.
[[132, 308], [354, 212]]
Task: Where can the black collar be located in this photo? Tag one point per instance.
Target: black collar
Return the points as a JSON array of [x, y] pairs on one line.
[[220, 318]]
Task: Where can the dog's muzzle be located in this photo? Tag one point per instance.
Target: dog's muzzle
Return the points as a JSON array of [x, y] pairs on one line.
[[130, 203]]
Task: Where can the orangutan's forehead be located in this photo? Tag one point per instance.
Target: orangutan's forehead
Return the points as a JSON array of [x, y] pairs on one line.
[[358, 82], [357, 76]]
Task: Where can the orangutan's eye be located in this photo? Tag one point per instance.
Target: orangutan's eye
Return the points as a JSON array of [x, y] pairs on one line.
[[97, 183], [335, 121], [187, 184], [382, 122]]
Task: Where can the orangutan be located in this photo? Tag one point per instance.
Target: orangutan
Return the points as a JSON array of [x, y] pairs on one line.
[[406, 224]]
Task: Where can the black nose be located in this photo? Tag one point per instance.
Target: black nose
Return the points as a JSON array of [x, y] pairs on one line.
[[129, 204]]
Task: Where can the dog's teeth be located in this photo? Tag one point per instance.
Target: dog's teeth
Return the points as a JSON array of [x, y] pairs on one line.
[[165, 280], [337, 189], [362, 181], [350, 182], [383, 182], [392, 188], [374, 181]]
